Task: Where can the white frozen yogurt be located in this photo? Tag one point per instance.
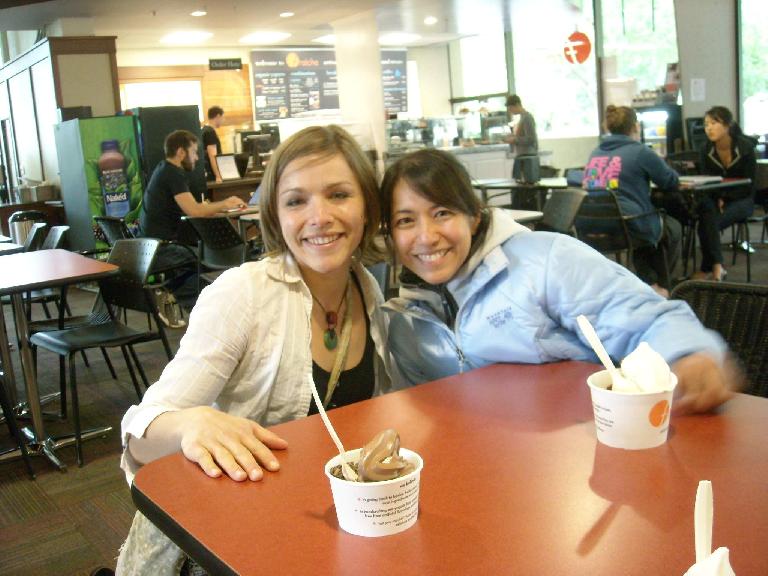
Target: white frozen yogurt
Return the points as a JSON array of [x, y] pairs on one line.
[[643, 370]]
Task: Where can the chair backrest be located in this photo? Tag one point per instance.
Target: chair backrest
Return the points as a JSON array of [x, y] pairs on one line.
[[36, 237], [739, 312], [114, 229], [560, 210], [128, 288], [221, 246], [601, 224], [56, 238]]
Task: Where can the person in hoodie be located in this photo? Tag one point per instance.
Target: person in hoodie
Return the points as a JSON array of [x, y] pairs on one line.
[[623, 164], [730, 154], [478, 288]]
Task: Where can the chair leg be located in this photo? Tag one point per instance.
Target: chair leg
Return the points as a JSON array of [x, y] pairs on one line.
[[131, 372], [85, 359], [75, 409], [749, 246], [45, 309], [139, 367], [62, 389], [109, 363]]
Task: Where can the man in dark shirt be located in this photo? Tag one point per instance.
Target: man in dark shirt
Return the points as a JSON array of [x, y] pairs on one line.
[[211, 143], [166, 199]]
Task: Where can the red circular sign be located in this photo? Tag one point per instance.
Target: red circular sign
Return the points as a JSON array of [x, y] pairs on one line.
[[577, 48]]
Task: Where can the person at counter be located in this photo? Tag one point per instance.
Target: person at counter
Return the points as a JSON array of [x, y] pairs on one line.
[[168, 198], [212, 144], [524, 142], [731, 154]]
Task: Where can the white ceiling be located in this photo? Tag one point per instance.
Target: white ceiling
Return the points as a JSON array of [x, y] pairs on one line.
[[139, 24]]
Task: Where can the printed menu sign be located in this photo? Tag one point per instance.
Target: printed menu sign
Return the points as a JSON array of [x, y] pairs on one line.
[[288, 82]]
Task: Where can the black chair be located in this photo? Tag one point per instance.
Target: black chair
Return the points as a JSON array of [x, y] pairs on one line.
[[13, 427], [113, 228], [740, 243], [601, 224], [56, 238], [560, 210], [739, 312], [36, 237], [126, 290], [220, 247]]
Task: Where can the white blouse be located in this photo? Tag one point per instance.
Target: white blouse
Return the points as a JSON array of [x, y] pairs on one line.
[[247, 350]]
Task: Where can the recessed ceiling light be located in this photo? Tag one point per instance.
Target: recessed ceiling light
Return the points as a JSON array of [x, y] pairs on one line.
[[430, 20], [398, 38], [186, 37], [264, 37], [198, 13], [286, 14], [327, 39]]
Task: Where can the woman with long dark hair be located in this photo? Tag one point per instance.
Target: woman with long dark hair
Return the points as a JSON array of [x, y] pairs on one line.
[[731, 154]]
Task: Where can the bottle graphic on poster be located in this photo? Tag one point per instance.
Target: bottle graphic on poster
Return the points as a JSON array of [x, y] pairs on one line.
[[114, 182]]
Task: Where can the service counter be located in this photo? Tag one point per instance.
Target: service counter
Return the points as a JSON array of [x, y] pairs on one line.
[[242, 188]]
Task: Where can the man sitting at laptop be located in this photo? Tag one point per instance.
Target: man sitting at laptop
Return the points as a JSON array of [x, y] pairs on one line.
[[168, 198]]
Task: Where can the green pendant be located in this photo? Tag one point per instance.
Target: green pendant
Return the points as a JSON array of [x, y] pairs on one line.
[[330, 339]]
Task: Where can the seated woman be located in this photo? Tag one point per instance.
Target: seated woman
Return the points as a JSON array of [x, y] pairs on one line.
[[730, 154], [478, 288], [263, 332], [623, 164]]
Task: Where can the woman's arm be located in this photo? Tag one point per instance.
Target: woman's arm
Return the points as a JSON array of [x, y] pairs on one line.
[[176, 413]]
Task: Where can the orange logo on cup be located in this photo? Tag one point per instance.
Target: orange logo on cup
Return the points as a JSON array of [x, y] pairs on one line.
[[659, 413]]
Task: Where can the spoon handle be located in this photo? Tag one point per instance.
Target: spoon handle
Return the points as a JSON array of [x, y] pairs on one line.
[[346, 469], [597, 345], [702, 521]]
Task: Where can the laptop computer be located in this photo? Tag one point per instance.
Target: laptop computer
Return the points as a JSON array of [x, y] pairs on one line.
[[227, 167]]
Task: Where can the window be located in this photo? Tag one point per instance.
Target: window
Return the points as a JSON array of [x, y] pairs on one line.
[[560, 93], [639, 40], [478, 65], [754, 66], [162, 93]]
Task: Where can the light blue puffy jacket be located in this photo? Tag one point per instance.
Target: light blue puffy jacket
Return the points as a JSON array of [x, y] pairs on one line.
[[518, 298]]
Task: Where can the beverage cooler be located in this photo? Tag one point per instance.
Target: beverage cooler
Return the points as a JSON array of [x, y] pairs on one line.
[[100, 174], [661, 128]]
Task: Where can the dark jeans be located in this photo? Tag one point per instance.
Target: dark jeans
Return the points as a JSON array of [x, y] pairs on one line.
[[649, 260], [711, 221], [180, 263]]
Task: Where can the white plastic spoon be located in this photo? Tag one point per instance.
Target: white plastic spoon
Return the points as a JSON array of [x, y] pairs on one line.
[[346, 469], [702, 521], [602, 353]]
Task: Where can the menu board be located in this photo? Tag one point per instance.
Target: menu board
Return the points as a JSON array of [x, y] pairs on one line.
[[289, 82], [395, 80]]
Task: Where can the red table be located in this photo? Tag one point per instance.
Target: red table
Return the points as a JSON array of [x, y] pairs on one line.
[[514, 482], [21, 273]]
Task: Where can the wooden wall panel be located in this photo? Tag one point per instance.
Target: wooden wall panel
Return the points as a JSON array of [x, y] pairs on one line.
[[230, 89]]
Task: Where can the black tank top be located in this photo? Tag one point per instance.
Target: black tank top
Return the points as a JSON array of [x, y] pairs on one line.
[[356, 383]]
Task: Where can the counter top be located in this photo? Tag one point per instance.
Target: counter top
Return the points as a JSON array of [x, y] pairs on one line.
[[476, 149], [248, 180]]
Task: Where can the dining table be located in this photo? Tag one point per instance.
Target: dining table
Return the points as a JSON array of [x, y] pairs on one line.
[[514, 482], [511, 187], [24, 272]]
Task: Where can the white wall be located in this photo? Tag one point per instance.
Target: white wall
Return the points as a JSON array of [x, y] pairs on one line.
[[20, 41], [434, 79], [178, 56], [358, 72], [707, 44]]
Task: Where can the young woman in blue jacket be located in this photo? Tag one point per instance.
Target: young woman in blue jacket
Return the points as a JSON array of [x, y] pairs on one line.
[[478, 288]]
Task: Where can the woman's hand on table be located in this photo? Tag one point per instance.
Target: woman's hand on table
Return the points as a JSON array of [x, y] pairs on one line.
[[220, 442], [703, 383]]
